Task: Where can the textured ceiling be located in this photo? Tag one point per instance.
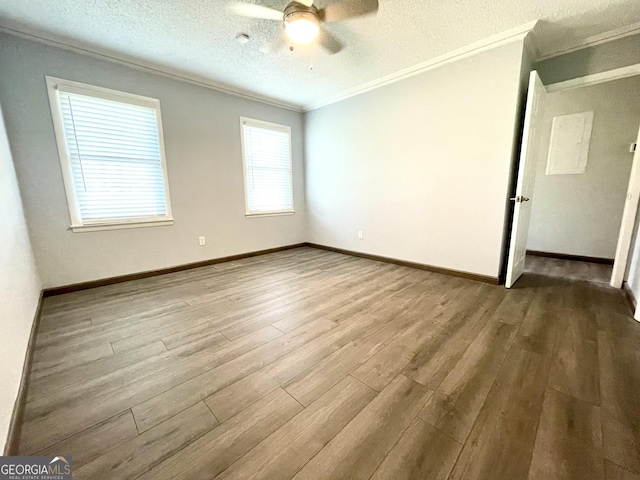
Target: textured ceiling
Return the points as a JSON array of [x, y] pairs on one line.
[[197, 36]]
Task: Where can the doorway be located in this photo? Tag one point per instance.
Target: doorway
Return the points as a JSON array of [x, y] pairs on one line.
[[576, 195]]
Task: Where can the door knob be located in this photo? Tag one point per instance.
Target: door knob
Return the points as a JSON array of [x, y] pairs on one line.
[[519, 199]]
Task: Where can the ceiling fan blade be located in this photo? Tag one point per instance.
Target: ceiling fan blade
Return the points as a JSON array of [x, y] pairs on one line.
[[255, 11], [275, 45], [338, 12], [329, 42]]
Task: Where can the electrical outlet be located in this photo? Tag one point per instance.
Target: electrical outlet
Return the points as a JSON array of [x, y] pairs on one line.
[[360, 235], [202, 241]]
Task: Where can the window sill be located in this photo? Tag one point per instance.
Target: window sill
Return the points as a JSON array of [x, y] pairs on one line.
[[269, 214], [120, 226]]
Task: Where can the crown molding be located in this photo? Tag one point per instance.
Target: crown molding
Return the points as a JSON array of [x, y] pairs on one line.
[[531, 44], [528, 33], [515, 34], [594, 40], [149, 67]]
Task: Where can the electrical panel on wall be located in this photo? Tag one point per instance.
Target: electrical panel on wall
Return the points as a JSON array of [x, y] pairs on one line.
[[569, 145]]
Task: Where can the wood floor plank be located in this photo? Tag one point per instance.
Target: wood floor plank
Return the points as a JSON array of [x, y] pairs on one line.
[[218, 449], [361, 446], [620, 386], [54, 381], [160, 407], [455, 405], [315, 381], [319, 306], [580, 299], [89, 336], [51, 325], [540, 326], [569, 440], [421, 452], [501, 441], [286, 451], [574, 368], [70, 418], [618, 325], [188, 361], [269, 318], [615, 472], [230, 400], [383, 367], [96, 441], [261, 286], [619, 377], [514, 306], [125, 345], [140, 454], [621, 444], [571, 462], [45, 367], [194, 334], [435, 360], [292, 315], [566, 416], [361, 305]]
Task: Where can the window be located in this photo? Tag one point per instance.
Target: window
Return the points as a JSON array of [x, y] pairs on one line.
[[112, 155], [266, 150]]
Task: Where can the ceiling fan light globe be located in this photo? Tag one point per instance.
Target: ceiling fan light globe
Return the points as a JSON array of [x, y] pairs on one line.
[[302, 27]]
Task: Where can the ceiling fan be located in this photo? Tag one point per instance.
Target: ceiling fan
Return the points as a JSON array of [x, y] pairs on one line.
[[302, 20]]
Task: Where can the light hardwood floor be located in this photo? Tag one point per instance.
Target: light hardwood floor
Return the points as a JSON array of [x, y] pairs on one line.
[[310, 364]]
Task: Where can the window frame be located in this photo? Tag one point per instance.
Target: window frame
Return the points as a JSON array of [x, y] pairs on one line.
[[270, 126], [54, 86]]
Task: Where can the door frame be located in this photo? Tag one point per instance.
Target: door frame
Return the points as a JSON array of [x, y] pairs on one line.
[[631, 205], [628, 222]]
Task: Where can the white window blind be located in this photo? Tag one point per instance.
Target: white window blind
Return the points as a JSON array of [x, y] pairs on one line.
[[267, 167], [113, 156]]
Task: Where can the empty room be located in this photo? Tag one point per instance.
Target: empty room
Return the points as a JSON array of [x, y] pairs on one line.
[[320, 239]]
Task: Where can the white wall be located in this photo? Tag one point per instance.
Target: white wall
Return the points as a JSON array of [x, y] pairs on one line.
[[421, 166], [581, 214], [202, 139], [19, 285]]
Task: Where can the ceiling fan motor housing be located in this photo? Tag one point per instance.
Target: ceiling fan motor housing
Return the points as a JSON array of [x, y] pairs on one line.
[[296, 11], [301, 23], [295, 7]]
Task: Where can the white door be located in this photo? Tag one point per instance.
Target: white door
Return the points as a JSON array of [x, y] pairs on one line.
[[529, 152], [628, 222]]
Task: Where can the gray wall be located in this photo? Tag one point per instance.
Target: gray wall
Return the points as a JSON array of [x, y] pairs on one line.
[[421, 166], [599, 58], [581, 214], [202, 138], [19, 285]]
